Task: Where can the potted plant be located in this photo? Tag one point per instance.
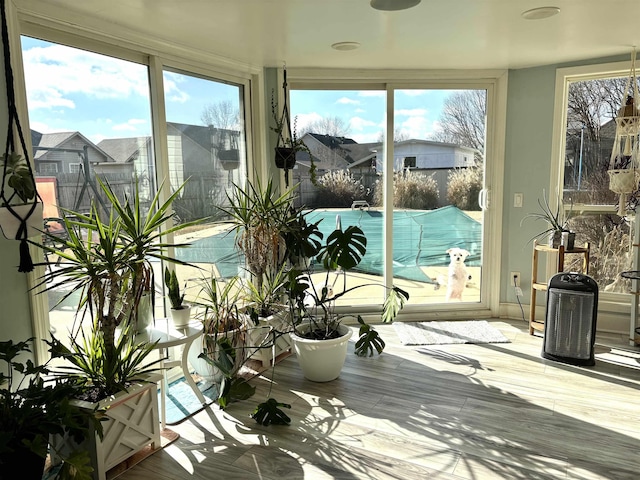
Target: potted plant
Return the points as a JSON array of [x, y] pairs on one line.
[[222, 352], [557, 224], [288, 145], [268, 313], [260, 217], [143, 235], [319, 337], [180, 311], [18, 199], [34, 407], [107, 262]]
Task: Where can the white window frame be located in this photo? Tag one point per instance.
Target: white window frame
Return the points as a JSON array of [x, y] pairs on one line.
[[495, 83], [186, 60], [612, 307], [46, 171]]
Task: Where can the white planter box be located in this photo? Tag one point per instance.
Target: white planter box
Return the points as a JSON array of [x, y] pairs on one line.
[[133, 424]]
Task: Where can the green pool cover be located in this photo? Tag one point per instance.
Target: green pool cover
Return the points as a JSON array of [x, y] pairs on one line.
[[420, 238]]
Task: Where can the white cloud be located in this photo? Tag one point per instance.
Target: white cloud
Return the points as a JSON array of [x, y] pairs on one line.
[[130, 125], [42, 127], [347, 101], [56, 72], [360, 110], [411, 112], [359, 123], [172, 91], [412, 92], [417, 127], [303, 119], [366, 137]]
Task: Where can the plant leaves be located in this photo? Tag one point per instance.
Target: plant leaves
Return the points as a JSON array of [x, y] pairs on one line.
[[269, 413]]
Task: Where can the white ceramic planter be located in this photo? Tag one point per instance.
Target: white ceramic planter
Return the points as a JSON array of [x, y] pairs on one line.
[[133, 423], [322, 360], [203, 368], [181, 316]]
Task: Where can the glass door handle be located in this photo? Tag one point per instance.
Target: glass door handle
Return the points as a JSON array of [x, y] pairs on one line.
[[483, 199]]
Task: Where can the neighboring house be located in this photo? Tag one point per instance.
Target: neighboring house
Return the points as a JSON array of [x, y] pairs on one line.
[[58, 153], [363, 160], [133, 152]]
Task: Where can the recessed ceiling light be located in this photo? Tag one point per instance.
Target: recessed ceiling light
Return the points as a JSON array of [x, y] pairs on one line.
[[345, 46], [540, 13], [393, 5]]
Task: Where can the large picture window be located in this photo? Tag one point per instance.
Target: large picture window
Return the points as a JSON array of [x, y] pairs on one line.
[[592, 102], [91, 121]]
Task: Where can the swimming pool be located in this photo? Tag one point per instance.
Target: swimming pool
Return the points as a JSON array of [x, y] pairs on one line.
[[420, 238]]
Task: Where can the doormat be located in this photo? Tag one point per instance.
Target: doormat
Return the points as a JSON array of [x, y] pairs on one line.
[[442, 333]]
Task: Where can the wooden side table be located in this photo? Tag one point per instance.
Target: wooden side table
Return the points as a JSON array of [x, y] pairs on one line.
[[536, 285]]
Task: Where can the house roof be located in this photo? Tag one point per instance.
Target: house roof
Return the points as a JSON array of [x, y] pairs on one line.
[[123, 150], [58, 140]]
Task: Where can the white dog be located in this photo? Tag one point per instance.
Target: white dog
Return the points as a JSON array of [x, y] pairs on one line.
[[458, 276]]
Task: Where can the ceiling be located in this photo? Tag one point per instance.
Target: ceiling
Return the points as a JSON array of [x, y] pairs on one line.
[[436, 34]]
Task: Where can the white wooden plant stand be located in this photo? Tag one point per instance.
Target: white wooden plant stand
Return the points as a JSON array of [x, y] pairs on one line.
[[261, 336], [133, 424]]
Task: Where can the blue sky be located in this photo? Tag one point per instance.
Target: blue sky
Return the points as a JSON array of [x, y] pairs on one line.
[[102, 97]]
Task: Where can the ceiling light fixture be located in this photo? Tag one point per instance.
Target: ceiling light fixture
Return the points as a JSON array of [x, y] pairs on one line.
[[344, 46], [393, 5], [540, 13]]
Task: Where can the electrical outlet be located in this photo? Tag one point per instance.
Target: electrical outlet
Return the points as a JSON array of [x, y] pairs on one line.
[[514, 279]]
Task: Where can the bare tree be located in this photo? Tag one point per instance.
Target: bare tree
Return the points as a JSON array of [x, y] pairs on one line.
[[399, 135], [591, 107], [463, 119], [593, 103], [222, 115], [334, 126]]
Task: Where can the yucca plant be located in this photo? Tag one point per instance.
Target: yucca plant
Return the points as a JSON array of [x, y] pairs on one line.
[[107, 262]]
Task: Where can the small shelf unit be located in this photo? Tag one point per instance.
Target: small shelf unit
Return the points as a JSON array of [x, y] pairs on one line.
[[535, 324]]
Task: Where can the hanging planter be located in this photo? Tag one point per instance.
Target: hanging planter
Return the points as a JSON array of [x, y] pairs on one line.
[[288, 144], [285, 157], [20, 208], [624, 173]]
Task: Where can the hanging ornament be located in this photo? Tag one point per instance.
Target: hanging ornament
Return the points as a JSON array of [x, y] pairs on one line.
[[625, 155], [20, 208]]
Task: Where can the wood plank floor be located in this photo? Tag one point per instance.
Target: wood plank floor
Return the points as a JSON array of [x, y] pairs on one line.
[[496, 411]]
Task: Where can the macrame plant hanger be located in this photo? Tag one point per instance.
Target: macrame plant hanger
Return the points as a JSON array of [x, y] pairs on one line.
[[285, 151], [624, 164], [21, 203]]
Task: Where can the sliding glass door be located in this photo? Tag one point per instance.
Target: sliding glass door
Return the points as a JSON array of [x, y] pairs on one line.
[[436, 171]]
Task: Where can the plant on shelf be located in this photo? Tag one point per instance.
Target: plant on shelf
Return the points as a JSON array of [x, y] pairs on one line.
[[557, 221], [180, 311], [33, 407]]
